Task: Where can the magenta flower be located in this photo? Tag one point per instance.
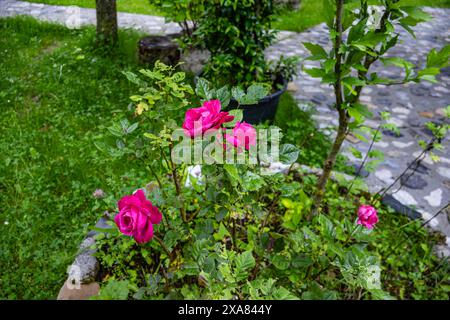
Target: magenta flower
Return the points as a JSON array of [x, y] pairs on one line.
[[136, 217], [367, 216], [198, 120], [244, 136]]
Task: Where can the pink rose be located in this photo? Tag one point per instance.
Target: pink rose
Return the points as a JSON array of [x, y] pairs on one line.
[[244, 135], [136, 217], [208, 116], [367, 216]]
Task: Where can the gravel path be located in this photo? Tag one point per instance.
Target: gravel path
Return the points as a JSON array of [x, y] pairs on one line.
[[411, 106]]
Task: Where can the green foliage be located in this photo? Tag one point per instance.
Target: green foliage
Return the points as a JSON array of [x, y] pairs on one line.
[[299, 129], [263, 243], [185, 12], [57, 93], [236, 33], [252, 95], [114, 290]]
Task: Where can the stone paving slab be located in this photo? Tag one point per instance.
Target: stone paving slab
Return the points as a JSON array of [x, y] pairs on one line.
[[76, 17], [411, 105]]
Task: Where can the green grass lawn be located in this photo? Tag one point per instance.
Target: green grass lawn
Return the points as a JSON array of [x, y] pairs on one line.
[[310, 13], [56, 95]]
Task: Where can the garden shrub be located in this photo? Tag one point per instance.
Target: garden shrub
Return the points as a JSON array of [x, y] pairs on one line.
[[237, 232]]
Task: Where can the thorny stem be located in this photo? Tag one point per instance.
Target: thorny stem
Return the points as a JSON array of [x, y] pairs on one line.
[[163, 246], [418, 158], [422, 225], [365, 159], [177, 186]]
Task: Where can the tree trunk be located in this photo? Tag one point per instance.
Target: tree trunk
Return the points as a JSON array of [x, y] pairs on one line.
[[343, 117], [106, 22]]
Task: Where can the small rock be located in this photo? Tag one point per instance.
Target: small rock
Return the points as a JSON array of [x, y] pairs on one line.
[[444, 172], [292, 87], [401, 110], [384, 175], [442, 251], [419, 91], [413, 182], [319, 98], [426, 114], [83, 292], [84, 268], [352, 139], [395, 154], [414, 122], [440, 112], [402, 145], [397, 122], [434, 199], [446, 183], [381, 144], [391, 164], [365, 99], [384, 102], [442, 89], [383, 93], [405, 198]]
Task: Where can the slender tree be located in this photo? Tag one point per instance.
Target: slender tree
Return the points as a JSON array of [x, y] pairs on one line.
[[106, 22], [347, 65]]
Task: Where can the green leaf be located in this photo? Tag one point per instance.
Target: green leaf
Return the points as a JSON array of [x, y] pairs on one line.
[[114, 290], [316, 50], [131, 128], [252, 181], [254, 93], [222, 233], [132, 77], [203, 90], [244, 263], [288, 153], [415, 15], [282, 293], [438, 59], [315, 72], [280, 261], [301, 261], [238, 115], [233, 173], [224, 95]]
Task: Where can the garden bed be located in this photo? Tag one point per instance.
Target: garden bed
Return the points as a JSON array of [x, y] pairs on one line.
[[412, 238]]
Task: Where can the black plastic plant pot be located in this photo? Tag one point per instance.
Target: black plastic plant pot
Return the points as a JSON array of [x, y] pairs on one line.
[[264, 110]]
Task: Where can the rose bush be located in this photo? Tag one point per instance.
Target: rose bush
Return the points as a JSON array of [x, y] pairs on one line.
[[240, 230]]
